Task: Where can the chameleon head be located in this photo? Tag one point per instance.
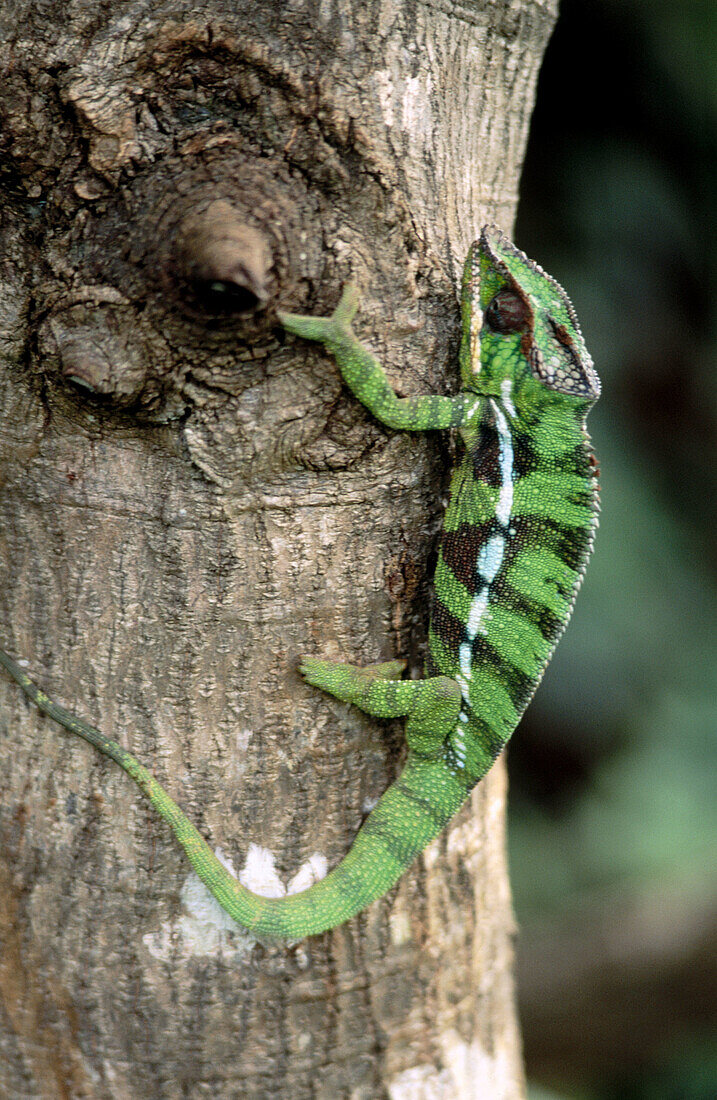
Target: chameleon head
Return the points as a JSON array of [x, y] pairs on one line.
[[519, 325]]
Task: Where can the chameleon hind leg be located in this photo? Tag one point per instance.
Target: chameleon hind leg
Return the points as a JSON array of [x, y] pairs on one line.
[[430, 706]]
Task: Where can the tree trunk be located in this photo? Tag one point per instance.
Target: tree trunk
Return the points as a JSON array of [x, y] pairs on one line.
[[191, 501]]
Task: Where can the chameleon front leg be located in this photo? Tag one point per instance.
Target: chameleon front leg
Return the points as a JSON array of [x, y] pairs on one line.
[[365, 377], [431, 706]]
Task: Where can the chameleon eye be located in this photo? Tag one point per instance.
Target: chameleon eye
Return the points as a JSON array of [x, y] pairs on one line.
[[507, 312]]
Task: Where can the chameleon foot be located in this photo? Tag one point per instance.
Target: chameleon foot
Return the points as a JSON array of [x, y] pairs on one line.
[[347, 682], [326, 330]]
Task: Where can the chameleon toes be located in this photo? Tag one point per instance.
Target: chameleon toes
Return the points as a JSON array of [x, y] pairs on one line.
[[337, 677], [314, 670]]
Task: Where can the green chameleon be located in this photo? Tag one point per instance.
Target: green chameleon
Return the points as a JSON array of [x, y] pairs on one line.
[[516, 537]]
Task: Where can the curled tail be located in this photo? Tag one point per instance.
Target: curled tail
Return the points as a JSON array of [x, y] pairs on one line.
[[410, 814]]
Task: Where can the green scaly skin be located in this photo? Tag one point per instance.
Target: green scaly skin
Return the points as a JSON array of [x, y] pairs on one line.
[[516, 538]]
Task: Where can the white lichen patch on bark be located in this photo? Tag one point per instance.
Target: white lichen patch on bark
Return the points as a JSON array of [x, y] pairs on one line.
[[310, 872], [463, 842], [405, 101], [206, 929], [469, 1073], [259, 873], [400, 923]]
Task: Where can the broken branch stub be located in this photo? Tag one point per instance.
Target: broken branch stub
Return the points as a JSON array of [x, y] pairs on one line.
[[224, 260]]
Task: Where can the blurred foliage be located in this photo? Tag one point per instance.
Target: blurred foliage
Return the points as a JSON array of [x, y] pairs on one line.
[[613, 769]]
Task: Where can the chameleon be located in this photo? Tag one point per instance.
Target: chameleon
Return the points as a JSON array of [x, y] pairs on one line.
[[516, 536]]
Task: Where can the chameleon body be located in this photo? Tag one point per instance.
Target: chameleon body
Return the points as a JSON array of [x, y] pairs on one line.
[[515, 541]]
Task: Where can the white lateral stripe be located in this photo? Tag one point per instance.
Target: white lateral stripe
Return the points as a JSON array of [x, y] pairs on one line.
[[505, 388], [491, 555], [505, 444], [490, 558], [478, 609]]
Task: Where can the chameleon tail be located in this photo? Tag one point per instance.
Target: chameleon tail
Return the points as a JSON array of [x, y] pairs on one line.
[[411, 813]]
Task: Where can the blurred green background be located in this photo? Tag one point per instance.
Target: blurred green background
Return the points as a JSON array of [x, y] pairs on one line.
[[613, 828]]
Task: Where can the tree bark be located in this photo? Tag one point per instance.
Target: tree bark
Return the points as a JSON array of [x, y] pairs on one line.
[[191, 501]]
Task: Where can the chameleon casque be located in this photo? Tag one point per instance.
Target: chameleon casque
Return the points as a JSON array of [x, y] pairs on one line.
[[516, 537]]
